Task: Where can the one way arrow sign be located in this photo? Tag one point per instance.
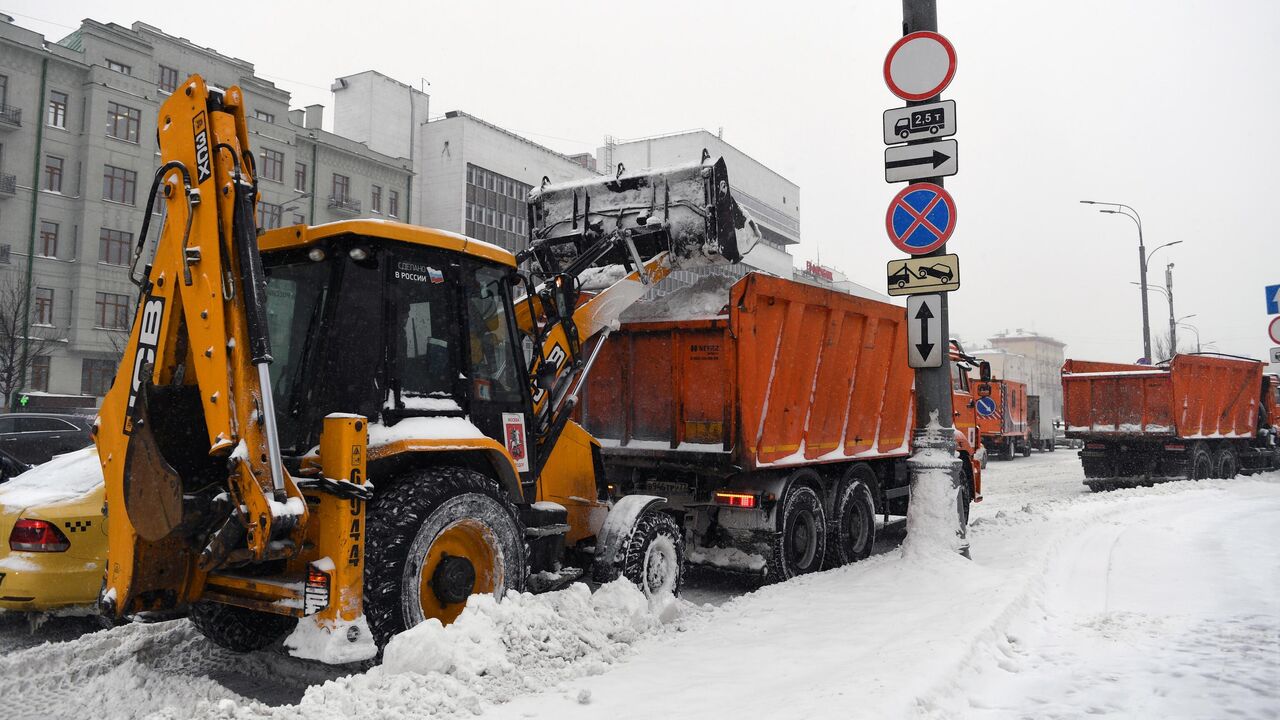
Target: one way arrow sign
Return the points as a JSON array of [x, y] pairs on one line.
[[925, 343], [907, 163]]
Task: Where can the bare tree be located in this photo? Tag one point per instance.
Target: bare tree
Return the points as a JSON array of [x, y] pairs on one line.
[[15, 333], [1163, 343]]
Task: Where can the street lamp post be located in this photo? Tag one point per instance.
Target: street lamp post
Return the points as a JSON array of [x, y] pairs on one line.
[[1143, 259], [1173, 324], [1195, 330]]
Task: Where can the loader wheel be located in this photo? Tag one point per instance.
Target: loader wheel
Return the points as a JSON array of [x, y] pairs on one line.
[[1225, 463], [433, 539], [852, 531], [801, 540], [653, 556], [239, 629], [1200, 466]]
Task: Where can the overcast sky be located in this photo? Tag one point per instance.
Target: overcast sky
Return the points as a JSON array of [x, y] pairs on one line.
[[1167, 106]]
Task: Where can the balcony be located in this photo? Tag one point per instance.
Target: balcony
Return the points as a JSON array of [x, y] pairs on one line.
[[344, 205], [10, 117], [8, 185]]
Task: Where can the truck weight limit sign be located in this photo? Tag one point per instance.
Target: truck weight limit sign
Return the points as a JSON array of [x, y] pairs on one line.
[[920, 122], [920, 65]]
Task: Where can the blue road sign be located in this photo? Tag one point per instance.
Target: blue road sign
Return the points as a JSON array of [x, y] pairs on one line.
[[920, 218], [986, 407], [1273, 299]]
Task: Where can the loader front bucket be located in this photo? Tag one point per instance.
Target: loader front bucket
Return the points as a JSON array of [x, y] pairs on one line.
[[686, 210]]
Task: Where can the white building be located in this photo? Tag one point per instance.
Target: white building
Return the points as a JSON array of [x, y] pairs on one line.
[[1043, 356], [772, 200]]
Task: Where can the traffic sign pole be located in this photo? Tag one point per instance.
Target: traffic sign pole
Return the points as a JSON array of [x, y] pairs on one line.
[[933, 384]]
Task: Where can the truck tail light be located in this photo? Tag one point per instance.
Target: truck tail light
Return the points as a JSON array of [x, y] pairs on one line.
[[1095, 446], [37, 536], [315, 595], [736, 499], [1175, 447]]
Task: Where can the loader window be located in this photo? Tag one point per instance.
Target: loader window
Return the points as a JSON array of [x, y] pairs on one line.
[[492, 352], [295, 300], [426, 362]]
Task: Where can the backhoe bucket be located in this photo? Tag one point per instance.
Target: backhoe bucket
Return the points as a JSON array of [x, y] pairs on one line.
[[687, 210]]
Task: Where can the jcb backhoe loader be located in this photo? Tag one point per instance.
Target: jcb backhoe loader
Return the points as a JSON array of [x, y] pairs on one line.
[[368, 417]]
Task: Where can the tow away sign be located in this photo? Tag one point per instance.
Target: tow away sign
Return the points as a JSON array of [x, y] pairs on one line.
[[919, 275], [924, 331]]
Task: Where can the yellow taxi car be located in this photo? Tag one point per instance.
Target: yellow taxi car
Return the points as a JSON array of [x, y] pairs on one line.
[[54, 536]]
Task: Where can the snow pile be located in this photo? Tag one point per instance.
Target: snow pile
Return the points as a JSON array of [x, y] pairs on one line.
[[495, 652], [64, 478], [332, 644], [933, 515], [706, 298], [423, 428], [596, 279]]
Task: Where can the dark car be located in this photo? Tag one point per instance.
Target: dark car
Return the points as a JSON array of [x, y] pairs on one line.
[[11, 467], [33, 438], [940, 271]]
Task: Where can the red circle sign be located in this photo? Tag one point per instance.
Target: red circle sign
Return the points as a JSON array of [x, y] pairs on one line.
[[920, 65], [1274, 329], [921, 218]]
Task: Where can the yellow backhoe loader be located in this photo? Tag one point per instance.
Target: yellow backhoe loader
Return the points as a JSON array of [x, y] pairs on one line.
[[370, 418]]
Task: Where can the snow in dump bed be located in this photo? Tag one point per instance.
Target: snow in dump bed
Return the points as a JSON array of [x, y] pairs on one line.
[[65, 478], [423, 428], [706, 298]]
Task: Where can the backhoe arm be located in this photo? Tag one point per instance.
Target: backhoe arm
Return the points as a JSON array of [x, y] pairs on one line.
[[186, 435]]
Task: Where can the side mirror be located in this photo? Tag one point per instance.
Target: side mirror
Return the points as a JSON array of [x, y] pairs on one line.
[[564, 296], [984, 370], [546, 378]]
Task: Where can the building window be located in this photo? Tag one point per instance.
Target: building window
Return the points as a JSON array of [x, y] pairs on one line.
[[113, 246], [393, 203], [264, 116], [299, 219], [39, 373], [375, 201], [96, 376], [43, 306], [4, 89], [168, 79], [53, 173], [113, 311], [119, 67], [119, 185], [122, 122], [268, 215], [341, 187], [48, 246], [57, 113], [272, 165], [300, 177], [496, 207]]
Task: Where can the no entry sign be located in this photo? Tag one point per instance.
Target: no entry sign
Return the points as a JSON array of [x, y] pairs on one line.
[[920, 65], [920, 218]]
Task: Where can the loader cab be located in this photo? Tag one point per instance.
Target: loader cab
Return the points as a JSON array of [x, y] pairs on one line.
[[391, 322]]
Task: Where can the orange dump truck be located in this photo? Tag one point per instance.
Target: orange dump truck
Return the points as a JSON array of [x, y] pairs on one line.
[[1002, 418], [777, 428], [1198, 416]]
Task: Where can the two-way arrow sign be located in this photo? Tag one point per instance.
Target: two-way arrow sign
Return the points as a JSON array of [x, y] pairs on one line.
[[925, 343], [907, 163]]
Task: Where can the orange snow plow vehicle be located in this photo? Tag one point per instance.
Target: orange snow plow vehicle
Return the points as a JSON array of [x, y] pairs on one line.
[[1002, 418], [1198, 416], [777, 423]]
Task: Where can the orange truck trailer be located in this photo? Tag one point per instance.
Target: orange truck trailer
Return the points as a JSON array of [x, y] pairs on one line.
[[776, 429], [1002, 418], [1197, 416]]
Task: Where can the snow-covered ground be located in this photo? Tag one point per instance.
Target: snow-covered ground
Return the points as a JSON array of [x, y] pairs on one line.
[[1156, 602]]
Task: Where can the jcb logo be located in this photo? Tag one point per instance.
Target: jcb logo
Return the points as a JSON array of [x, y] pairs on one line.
[[556, 359], [148, 338], [203, 166]]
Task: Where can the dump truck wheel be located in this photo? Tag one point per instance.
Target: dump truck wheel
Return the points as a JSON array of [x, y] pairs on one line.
[[852, 531], [800, 542], [1225, 463], [1200, 466], [1006, 450], [239, 629], [1026, 449], [653, 556], [433, 539]]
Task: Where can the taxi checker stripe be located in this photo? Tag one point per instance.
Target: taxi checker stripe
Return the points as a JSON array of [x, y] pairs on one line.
[[919, 217]]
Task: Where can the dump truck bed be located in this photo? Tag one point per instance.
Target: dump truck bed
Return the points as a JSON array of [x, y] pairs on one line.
[[1193, 397], [794, 374]]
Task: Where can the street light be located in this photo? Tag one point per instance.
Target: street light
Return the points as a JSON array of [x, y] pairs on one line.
[[1143, 258], [1196, 330]]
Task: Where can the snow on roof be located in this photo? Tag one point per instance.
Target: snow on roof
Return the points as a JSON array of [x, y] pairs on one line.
[[63, 479]]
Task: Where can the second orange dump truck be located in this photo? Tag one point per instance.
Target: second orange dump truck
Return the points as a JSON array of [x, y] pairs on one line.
[[779, 426], [1196, 417], [1002, 418]]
